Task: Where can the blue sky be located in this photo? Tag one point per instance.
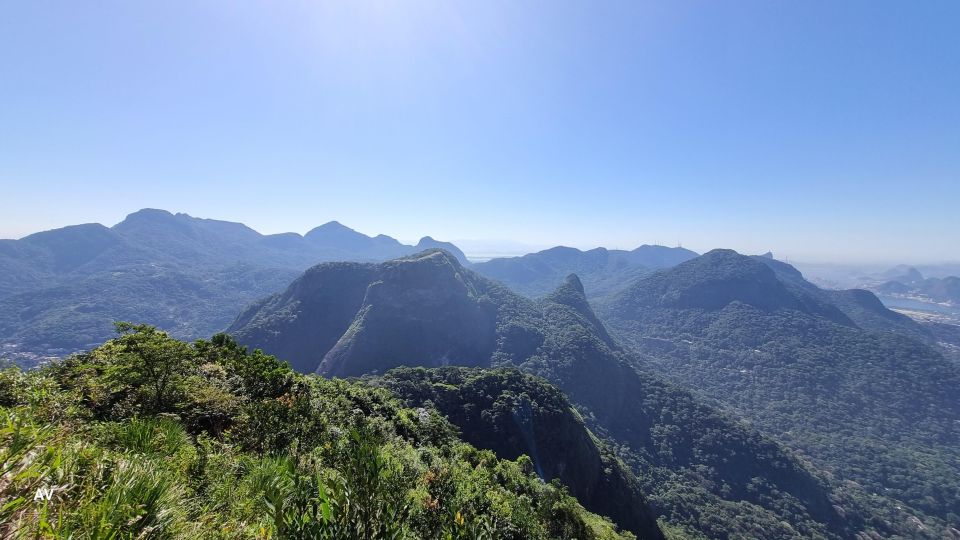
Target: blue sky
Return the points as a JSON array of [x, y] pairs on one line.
[[825, 131]]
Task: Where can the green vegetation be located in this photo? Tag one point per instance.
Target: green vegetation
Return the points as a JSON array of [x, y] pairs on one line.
[[877, 410], [61, 290], [150, 437], [516, 414], [701, 469]]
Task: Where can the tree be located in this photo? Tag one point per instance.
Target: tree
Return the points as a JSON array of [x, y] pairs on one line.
[[148, 361]]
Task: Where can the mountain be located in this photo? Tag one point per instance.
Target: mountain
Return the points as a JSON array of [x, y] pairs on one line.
[[515, 414], [832, 374], [702, 470], [861, 307], [61, 290], [904, 273], [146, 436], [602, 271], [427, 242]]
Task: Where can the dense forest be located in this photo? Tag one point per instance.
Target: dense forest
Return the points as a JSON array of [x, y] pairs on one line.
[[702, 470], [471, 411], [876, 407], [150, 437]]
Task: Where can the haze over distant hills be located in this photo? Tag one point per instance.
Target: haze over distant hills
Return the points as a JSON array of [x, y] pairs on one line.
[[602, 271], [851, 408], [61, 290], [911, 283]]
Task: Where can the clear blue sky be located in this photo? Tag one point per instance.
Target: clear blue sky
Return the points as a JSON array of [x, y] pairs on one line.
[[822, 130]]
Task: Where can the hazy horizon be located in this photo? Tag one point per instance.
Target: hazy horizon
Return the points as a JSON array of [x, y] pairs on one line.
[[485, 248], [824, 132]]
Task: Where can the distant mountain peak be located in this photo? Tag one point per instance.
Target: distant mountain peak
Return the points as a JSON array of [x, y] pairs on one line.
[[148, 220], [722, 278], [574, 281], [569, 293], [338, 235], [331, 227], [151, 212], [146, 215], [428, 242], [913, 275], [712, 281], [434, 254]]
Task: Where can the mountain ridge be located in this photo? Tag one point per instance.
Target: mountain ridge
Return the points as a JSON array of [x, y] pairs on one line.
[[430, 298], [769, 345], [61, 290], [603, 271]]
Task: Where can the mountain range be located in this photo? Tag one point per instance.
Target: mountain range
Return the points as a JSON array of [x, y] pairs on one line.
[[602, 271], [680, 395], [61, 290], [691, 458], [515, 414], [860, 391]]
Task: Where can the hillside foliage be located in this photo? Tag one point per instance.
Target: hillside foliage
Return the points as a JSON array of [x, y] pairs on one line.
[[877, 410], [150, 437]]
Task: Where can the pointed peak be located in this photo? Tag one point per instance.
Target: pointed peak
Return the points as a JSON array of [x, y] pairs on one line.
[[428, 242], [569, 293], [331, 226], [337, 234], [574, 281]]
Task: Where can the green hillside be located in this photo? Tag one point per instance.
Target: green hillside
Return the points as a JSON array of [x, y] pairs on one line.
[[874, 407], [150, 437], [703, 471], [62, 290]]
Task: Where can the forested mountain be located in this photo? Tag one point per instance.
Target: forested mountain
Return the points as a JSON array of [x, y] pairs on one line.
[[515, 414], [602, 271], [704, 472], [860, 306], [150, 437], [61, 290], [831, 374]]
